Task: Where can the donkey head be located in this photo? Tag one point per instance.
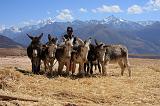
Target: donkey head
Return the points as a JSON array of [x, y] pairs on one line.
[[36, 39], [100, 51], [68, 47], [35, 44], [51, 46], [52, 40], [84, 47]]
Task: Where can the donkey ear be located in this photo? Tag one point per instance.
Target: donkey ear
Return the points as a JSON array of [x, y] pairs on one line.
[[41, 36], [49, 37], [56, 39], [80, 41], [29, 36], [96, 42], [89, 40], [101, 45]]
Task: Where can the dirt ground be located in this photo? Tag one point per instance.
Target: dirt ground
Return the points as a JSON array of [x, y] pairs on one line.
[[141, 89], [12, 52]]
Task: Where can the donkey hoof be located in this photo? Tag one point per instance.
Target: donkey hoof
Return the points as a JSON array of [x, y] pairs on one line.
[[81, 75], [104, 74], [67, 74], [59, 73]]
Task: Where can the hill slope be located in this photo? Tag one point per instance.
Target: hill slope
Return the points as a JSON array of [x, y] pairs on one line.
[[6, 42]]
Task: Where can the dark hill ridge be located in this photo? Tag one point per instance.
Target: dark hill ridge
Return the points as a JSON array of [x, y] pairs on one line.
[[6, 42]]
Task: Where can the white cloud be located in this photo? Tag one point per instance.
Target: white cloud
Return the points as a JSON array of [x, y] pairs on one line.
[[64, 15], [107, 9], [94, 10], [152, 5], [83, 10], [135, 9]]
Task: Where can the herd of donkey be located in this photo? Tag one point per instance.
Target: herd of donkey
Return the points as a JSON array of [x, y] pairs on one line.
[[84, 53]]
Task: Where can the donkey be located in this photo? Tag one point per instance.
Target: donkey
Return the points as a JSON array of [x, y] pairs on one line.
[[80, 55], [92, 60], [34, 52], [48, 52], [63, 55], [113, 54]]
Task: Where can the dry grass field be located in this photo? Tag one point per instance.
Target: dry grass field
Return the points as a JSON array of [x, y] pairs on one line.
[[142, 89]]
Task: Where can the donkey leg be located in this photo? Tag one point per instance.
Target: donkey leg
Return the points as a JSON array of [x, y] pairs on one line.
[[68, 67], [38, 69], [81, 71], [38, 66], [95, 65], [126, 62], [33, 68], [104, 68], [85, 65], [45, 65], [51, 65], [91, 69], [73, 68], [60, 68], [48, 65], [99, 67], [88, 67], [122, 65]]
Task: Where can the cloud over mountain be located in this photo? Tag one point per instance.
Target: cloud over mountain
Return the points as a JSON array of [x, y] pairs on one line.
[[135, 9], [107, 9], [65, 15]]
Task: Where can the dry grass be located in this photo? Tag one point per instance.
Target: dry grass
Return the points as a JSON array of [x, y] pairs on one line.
[[143, 88]]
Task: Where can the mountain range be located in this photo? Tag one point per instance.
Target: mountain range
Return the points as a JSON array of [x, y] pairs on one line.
[[140, 37]]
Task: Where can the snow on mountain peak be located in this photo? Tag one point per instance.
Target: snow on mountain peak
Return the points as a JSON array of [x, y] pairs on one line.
[[145, 23], [46, 21], [113, 19], [2, 28], [14, 29]]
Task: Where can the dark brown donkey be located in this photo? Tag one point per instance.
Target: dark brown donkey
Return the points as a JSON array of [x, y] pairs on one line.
[[92, 60], [48, 52], [34, 52]]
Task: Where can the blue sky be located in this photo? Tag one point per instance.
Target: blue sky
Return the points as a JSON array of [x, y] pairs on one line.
[[18, 12]]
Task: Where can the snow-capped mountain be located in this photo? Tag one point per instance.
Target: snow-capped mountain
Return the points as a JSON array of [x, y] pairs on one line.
[[139, 37], [2, 28], [12, 31], [145, 23], [119, 23], [113, 20]]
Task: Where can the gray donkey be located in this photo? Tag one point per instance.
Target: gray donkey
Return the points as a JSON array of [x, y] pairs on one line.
[[113, 54], [63, 55], [80, 55], [48, 52]]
